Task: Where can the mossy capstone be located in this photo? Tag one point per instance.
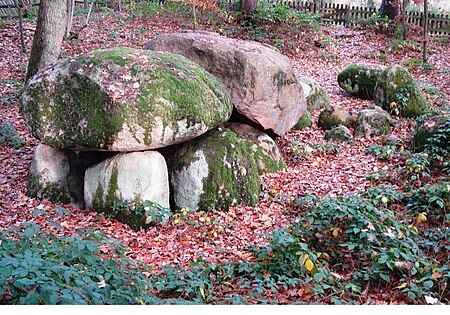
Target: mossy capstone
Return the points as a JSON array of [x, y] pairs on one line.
[[123, 99]]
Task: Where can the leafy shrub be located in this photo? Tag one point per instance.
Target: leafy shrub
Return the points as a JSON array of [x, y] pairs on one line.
[[41, 268], [280, 13], [387, 152], [432, 201], [352, 241], [375, 20], [438, 145], [152, 210], [10, 135]]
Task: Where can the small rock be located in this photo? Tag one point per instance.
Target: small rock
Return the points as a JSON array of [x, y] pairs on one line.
[[333, 117], [372, 122], [340, 133]]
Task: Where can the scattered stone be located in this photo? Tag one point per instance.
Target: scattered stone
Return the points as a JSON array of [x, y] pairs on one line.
[[398, 93], [316, 97], [430, 127], [133, 177], [123, 99], [258, 77], [304, 121], [372, 122], [333, 117], [359, 80], [340, 133], [220, 170]]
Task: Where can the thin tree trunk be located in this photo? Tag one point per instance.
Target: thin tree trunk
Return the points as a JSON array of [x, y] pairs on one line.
[[404, 19], [19, 6], [48, 36], [70, 11], [425, 31], [195, 16]]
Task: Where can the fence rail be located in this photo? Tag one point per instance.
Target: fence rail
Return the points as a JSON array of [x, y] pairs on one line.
[[332, 13]]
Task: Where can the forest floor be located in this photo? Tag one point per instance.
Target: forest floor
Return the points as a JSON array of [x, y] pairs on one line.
[[220, 235]]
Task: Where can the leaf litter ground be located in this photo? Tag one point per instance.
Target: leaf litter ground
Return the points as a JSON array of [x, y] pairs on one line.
[[220, 235]]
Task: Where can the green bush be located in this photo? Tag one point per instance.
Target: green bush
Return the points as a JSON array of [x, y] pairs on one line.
[[10, 135], [432, 201], [41, 268]]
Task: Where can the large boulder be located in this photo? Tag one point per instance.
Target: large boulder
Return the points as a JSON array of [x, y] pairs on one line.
[[433, 130], [333, 117], [221, 169], [260, 80], [123, 99], [398, 93], [359, 80], [373, 122], [137, 177], [316, 97]]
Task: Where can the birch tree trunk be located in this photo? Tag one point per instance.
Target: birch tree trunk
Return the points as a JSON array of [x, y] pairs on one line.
[[47, 39]]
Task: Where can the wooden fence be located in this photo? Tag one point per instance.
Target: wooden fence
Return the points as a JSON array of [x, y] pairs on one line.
[[349, 15], [332, 13]]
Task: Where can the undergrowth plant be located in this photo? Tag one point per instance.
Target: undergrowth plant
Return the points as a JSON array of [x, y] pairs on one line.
[[9, 135], [42, 268]]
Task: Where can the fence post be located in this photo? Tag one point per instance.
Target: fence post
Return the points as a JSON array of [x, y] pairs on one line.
[[347, 15]]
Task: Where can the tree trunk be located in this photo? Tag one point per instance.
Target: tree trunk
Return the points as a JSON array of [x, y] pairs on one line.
[[389, 8], [70, 11], [248, 6], [425, 31], [48, 36]]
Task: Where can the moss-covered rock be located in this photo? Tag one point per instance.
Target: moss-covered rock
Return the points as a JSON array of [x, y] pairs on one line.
[[304, 121], [359, 80], [123, 99], [220, 170], [316, 97], [430, 127], [398, 93], [333, 117], [372, 122], [340, 133], [128, 177]]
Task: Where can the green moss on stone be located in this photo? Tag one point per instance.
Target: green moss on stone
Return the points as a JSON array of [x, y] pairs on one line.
[[359, 80], [233, 174], [233, 171], [117, 55], [398, 93], [176, 93], [304, 121], [76, 106], [48, 191]]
